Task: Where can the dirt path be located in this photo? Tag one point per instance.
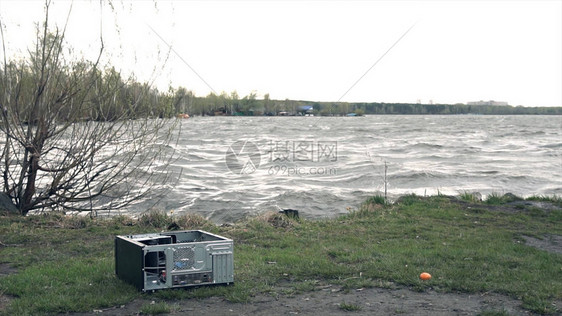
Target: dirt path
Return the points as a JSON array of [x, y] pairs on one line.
[[331, 301], [550, 243]]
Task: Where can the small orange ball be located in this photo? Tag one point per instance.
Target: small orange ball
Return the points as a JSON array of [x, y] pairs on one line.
[[425, 276]]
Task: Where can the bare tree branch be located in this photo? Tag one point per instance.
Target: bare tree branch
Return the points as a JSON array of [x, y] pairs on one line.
[[75, 135]]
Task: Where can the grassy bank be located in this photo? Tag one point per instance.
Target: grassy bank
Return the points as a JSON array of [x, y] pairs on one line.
[[66, 264]]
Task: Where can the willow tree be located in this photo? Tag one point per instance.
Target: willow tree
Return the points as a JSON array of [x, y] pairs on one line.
[[70, 134]]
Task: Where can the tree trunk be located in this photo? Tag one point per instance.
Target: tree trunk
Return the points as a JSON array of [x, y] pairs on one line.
[[26, 204]]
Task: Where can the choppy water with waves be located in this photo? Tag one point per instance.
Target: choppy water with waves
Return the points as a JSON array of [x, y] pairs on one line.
[[232, 167]]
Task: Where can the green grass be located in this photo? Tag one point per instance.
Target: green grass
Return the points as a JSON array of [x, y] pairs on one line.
[[470, 197], [556, 200], [66, 265], [502, 312], [376, 199], [494, 199], [498, 199], [349, 307], [156, 308], [58, 287]]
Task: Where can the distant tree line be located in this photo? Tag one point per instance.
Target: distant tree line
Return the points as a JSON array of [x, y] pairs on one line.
[[409, 108], [232, 104], [106, 95]]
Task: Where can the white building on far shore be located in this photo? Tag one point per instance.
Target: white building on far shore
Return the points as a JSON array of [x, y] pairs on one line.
[[491, 102]]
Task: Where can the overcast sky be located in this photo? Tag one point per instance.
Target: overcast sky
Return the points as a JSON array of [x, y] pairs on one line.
[[455, 51]]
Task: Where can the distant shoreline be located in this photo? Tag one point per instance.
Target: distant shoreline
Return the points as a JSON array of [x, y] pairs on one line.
[[384, 114], [211, 106]]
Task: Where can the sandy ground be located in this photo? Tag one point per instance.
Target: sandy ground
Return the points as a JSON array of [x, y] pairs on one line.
[[329, 301], [550, 243]]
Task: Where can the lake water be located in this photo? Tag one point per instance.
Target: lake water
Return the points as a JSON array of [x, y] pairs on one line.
[[233, 167]]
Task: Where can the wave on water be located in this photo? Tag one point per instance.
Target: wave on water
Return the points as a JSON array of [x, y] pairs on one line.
[[322, 166]]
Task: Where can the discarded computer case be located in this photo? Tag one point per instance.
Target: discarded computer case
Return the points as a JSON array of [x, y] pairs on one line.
[[174, 259]]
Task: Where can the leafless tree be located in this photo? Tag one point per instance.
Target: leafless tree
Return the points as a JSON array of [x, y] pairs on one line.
[[75, 135]]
